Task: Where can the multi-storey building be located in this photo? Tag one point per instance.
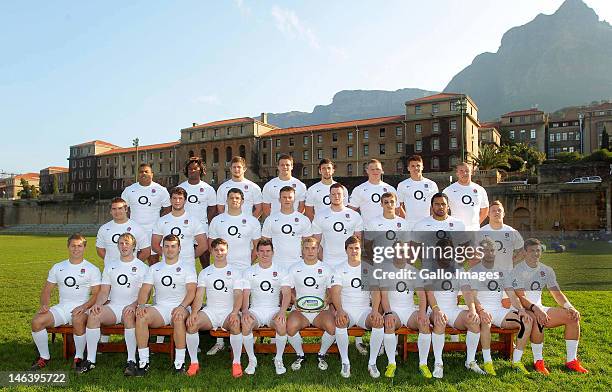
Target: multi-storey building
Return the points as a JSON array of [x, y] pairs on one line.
[[83, 165], [488, 133], [11, 186], [595, 119], [564, 133], [525, 126], [54, 179]]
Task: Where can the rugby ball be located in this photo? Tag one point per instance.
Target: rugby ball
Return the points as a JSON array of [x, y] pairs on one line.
[[310, 303]]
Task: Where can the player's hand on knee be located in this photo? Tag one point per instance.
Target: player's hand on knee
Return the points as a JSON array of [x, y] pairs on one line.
[[234, 319], [541, 316], [473, 317], [78, 310], [129, 310], [389, 321], [573, 314], [141, 312], [43, 309], [247, 317], [192, 320], [376, 319], [341, 318], [95, 310], [485, 317], [422, 319]]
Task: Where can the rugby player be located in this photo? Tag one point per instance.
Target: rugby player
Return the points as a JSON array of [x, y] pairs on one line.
[[415, 192], [509, 241], [318, 195], [252, 192], [467, 200], [271, 191], [366, 197]]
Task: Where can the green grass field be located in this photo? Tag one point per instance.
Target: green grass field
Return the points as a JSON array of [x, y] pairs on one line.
[[25, 261]]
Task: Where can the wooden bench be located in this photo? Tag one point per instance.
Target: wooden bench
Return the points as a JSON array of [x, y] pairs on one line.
[[114, 347], [504, 345]]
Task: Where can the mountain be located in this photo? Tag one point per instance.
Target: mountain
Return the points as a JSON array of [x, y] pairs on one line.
[[351, 105], [553, 61]]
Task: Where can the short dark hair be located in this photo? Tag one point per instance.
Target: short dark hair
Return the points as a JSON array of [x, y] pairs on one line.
[[350, 241], [285, 156], [531, 242], [144, 164], [336, 185], [116, 200], [326, 161], [177, 190], [286, 188], [436, 195], [415, 158], [238, 159], [236, 190], [387, 195], [265, 242], [218, 241], [171, 238], [77, 237]]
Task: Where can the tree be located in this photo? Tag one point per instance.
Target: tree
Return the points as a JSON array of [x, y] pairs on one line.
[[568, 157], [605, 140], [55, 185], [28, 191], [489, 157], [530, 155]]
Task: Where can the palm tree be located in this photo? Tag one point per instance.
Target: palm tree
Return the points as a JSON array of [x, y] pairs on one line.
[[489, 157]]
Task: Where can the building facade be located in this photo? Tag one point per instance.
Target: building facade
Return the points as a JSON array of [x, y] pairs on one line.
[[54, 179], [525, 126], [488, 133], [594, 119], [11, 186], [564, 133], [82, 165]]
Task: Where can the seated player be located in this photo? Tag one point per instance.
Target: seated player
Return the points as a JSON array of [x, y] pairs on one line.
[[351, 298], [310, 278], [221, 282], [265, 286], [528, 280], [175, 285], [75, 278], [488, 300], [116, 302]]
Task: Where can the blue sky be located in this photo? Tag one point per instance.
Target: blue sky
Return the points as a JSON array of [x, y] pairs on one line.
[[75, 71]]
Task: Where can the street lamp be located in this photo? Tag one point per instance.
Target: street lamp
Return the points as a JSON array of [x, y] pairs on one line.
[[461, 105], [135, 144], [99, 189]]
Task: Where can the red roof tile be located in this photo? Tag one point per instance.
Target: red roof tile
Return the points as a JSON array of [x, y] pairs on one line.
[[344, 124], [434, 97], [97, 142], [57, 168], [522, 112], [28, 176], [490, 124], [239, 120], [140, 148]]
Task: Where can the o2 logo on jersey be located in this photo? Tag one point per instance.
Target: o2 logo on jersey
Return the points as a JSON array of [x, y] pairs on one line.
[[447, 285], [356, 283], [287, 229], [193, 199], [326, 200], [536, 286], [177, 232], [144, 200], [122, 280], [115, 238], [390, 235], [167, 281], [219, 285], [419, 195], [266, 286], [441, 234], [375, 198], [339, 227], [401, 287], [309, 281], [467, 200], [493, 285], [233, 231], [70, 281], [500, 247]]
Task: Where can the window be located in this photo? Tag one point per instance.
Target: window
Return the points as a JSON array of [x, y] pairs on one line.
[[418, 146], [435, 107], [115, 184], [334, 153], [80, 186], [398, 131], [169, 153], [227, 174], [522, 119], [435, 163], [382, 133], [564, 124], [532, 118], [190, 135], [452, 142], [577, 135], [264, 159], [277, 143], [191, 153], [305, 171], [228, 154], [334, 137], [571, 149], [555, 125], [88, 173], [512, 134], [522, 133], [417, 129], [349, 151], [435, 144], [107, 172], [551, 137], [80, 163], [366, 135], [558, 136], [133, 157], [511, 120], [320, 153], [551, 152], [417, 109], [366, 150], [150, 157], [228, 132], [216, 133], [99, 172], [124, 171], [349, 169], [264, 144], [306, 155], [399, 167], [381, 149], [291, 141], [115, 160], [215, 155], [533, 133], [277, 156], [202, 134], [435, 127], [115, 171], [564, 136], [398, 147], [454, 161], [170, 166], [319, 139], [161, 167], [349, 136], [306, 140], [242, 129], [242, 151], [453, 125], [203, 155]]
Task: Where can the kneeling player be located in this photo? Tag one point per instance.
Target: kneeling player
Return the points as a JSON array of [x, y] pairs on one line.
[[488, 295], [310, 278], [222, 285], [75, 279], [121, 281], [175, 286], [529, 279], [265, 286], [352, 303]]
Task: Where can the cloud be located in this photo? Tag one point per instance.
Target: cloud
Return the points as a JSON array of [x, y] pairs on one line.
[[244, 9], [210, 99], [288, 23]]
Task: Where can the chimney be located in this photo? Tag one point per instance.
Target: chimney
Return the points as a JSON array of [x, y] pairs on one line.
[[264, 118], [194, 124]]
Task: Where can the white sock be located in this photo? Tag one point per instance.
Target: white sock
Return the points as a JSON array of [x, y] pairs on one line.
[[517, 355], [236, 343], [437, 342], [281, 342], [79, 345], [220, 341], [41, 340], [92, 336], [143, 354], [423, 342], [179, 357], [390, 342], [326, 341], [193, 341], [471, 342], [342, 340], [571, 347], [486, 355], [130, 343], [359, 340], [376, 340], [248, 342], [537, 350], [296, 343]]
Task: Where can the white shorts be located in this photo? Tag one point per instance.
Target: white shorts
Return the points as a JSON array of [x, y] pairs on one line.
[[403, 314], [309, 315], [62, 313], [166, 311], [451, 313], [498, 315], [358, 316], [264, 315], [216, 316], [117, 310]]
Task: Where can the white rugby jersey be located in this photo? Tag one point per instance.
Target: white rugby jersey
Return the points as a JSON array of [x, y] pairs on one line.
[[317, 196], [170, 282], [353, 294], [366, 197], [401, 290], [220, 284], [335, 227], [271, 192], [239, 231], [416, 196], [446, 291], [74, 281], [386, 232], [507, 240], [108, 237], [286, 232], [265, 285], [465, 202], [310, 280], [199, 198], [490, 291], [145, 202], [252, 193], [185, 227], [533, 280], [125, 279]]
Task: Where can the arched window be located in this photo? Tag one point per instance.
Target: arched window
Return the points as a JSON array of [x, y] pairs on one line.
[[216, 155], [191, 153], [349, 169], [228, 154], [399, 167], [242, 151], [203, 155]]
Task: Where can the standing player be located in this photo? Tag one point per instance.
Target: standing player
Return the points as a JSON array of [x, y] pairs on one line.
[[252, 192], [415, 192], [509, 241], [147, 201], [318, 195], [272, 189], [265, 286], [388, 228], [109, 233], [310, 278], [366, 197], [468, 201], [121, 281], [189, 230], [221, 283], [351, 298], [528, 280], [201, 200], [75, 278], [286, 228], [175, 286]]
